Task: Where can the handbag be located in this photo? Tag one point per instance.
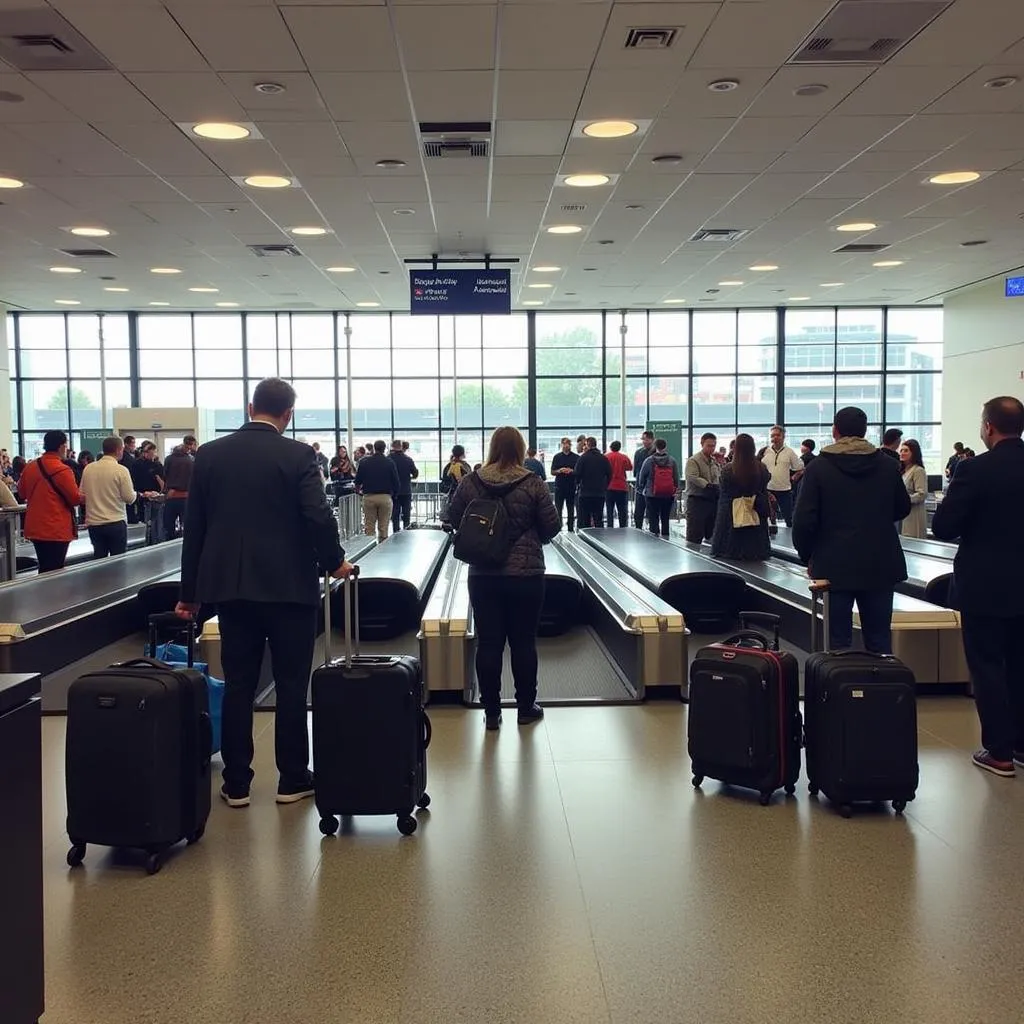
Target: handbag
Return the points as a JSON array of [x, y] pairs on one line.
[[743, 513]]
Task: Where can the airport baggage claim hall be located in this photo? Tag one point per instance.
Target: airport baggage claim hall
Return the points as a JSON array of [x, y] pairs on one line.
[[436, 219]]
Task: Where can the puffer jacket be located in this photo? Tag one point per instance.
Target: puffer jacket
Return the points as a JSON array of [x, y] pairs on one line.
[[531, 514]]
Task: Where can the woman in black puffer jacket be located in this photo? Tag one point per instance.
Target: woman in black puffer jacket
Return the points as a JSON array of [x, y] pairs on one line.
[[507, 600]]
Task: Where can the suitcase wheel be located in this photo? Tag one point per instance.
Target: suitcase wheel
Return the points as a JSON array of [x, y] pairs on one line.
[[790, 789], [407, 824], [765, 799], [154, 862], [899, 806], [697, 780], [846, 811], [424, 801], [812, 789], [76, 855], [196, 836], [329, 825]]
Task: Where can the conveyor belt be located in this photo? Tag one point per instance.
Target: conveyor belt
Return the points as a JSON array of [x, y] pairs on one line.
[[80, 550], [930, 547], [563, 594]]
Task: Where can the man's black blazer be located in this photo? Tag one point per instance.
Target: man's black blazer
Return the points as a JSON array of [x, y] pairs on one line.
[[984, 508], [257, 525]]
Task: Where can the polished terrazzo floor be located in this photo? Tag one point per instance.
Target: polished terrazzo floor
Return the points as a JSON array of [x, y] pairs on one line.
[[566, 873]]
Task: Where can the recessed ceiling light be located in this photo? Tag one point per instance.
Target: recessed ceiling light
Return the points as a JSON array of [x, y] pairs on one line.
[[89, 232], [1002, 82], [799, 298], [610, 129], [673, 302], [723, 85], [164, 270], [270, 88], [973, 242], [586, 180], [832, 284], [888, 263], [546, 270], [564, 229], [954, 178], [539, 285], [308, 231], [340, 270], [761, 268], [729, 284], [635, 206], [115, 289], [227, 305], [159, 303], [65, 270], [390, 165], [857, 225], [223, 131], [267, 181], [403, 212], [811, 89], [11, 183], [204, 290], [67, 302], [669, 159], [367, 305], [531, 302]]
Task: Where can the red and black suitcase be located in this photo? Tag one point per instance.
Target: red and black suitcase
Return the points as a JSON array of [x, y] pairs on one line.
[[744, 726], [138, 758], [370, 729], [860, 713]]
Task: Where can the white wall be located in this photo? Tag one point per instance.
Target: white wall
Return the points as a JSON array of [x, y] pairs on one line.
[[984, 357], [5, 386]]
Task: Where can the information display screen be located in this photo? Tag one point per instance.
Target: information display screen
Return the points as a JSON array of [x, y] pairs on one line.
[[1015, 286], [459, 291]]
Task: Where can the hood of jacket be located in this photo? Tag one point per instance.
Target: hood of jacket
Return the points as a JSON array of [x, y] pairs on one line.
[[503, 477], [661, 460], [853, 456]]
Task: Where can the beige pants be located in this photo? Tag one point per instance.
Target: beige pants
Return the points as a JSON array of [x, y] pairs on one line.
[[377, 515]]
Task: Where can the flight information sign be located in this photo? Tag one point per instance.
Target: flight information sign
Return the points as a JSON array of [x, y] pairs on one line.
[[1015, 286], [455, 292]]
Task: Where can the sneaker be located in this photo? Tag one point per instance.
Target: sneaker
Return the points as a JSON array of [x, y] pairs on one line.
[[983, 759], [492, 721], [293, 794], [534, 713], [236, 799], [1018, 758]]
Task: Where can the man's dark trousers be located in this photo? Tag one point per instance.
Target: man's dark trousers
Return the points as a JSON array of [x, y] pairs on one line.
[[566, 500], [785, 500], [591, 511], [700, 519], [875, 608], [639, 510], [109, 539], [401, 512], [995, 657]]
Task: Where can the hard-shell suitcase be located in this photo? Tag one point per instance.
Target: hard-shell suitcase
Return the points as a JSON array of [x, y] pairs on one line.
[[743, 726], [370, 731], [137, 758], [860, 713]]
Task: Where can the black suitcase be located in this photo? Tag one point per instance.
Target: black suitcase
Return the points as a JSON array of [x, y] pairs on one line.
[[860, 714], [743, 725], [370, 731], [138, 757]]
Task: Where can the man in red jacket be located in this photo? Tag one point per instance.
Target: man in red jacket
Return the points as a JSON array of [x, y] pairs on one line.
[[49, 488], [617, 498]]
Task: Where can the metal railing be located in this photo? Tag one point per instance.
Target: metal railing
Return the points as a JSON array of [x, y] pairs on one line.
[[10, 531], [349, 513]]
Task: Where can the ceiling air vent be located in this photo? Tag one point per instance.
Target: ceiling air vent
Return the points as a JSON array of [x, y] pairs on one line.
[[90, 254], [455, 140], [863, 247], [866, 31], [651, 38], [274, 250], [41, 40], [719, 235]]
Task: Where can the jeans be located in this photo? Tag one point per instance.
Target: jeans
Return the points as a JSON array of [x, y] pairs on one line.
[[50, 554], [617, 501], [566, 500], [591, 511], [246, 628], [875, 607], [659, 510], [996, 660], [401, 512], [377, 515], [506, 609], [785, 500], [700, 519], [639, 511], [109, 539], [174, 510]]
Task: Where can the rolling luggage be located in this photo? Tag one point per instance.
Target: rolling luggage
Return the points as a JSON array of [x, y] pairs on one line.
[[743, 726], [137, 758], [370, 732], [861, 723]]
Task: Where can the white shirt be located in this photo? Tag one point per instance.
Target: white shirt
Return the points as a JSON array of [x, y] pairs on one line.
[[106, 489], [781, 464]]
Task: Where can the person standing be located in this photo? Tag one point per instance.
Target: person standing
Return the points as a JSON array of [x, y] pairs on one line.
[[128, 457], [456, 469], [48, 486], [259, 534], [377, 481], [533, 464], [843, 531], [983, 509], [321, 459], [954, 459], [401, 513], [617, 495], [593, 473], [659, 482], [741, 524], [563, 469], [107, 492], [915, 479], [807, 456], [507, 600], [645, 450], [891, 441], [703, 475], [177, 478], [782, 463]]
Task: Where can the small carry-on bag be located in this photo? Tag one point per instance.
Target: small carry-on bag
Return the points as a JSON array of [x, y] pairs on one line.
[[370, 731], [138, 758], [861, 722], [743, 726]]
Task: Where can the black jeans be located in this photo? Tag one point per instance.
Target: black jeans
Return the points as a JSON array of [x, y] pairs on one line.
[[996, 660], [506, 609], [659, 510], [401, 512], [174, 509], [246, 627], [639, 511], [109, 539], [566, 500], [700, 519], [785, 500], [617, 501], [875, 607], [51, 554], [591, 511]]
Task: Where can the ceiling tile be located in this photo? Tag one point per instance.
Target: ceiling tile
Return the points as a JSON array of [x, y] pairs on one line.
[[364, 96], [189, 96], [161, 147], [631, 94], [452, 95], [755, 35], [96, 95], [557, 37], [265, 45], [535, 95], [343, 38], [765, 134], [531, 138], [455, 38], [380, 140]]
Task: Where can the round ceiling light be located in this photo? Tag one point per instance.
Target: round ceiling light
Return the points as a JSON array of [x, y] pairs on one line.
[[546, 270], [390, 165], [159, 303], [341, 270], [973, 242], [1002, 82], [222, 131], [763, 268], [857, 226], [67, 302], [164, 270], [270, 88], [115, 289], [564, 229], [887, 263], [540, 285], [729, 284], [832, 284], [610, 129], [954, 178], [723, 85], [308, 231], [228, 305], [367, 305], [267, 181], [586, 180], [673, 302], [65, 270], [204, 290], [811, 89], [531, 302], [89, 232], [799, 298], [11, 183], [667, 159], [404, 211]]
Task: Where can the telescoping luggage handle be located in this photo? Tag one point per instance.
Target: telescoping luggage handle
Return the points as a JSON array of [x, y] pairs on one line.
[[820, 631], [351, 620], [773, 622], [173, 623]]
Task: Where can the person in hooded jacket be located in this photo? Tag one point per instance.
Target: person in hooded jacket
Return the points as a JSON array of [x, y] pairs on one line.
[[658, 504], [843, 531], [507, 600]]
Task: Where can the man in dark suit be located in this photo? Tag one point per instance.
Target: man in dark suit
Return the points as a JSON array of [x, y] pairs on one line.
[[983, 508], [259, 534]]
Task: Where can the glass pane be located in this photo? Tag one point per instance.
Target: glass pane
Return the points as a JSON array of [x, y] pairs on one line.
[[219, 363], [462, 404], [83, 330], [167, 394], [568, 400], [319, 362], [505, 403], [863, 391], [714, 399], [370, 331], [44, 404], [260, 331], [669, 330], [756, 399], [415, 404], [809, 398], [467, 331], [225, 398], [860, 339], [669, 360], [116, 362], [505, 362], [115, 330], [571, 331], [415, 362], [313, 330], [501, 332], [929, 437], [165, 362], [758, 341], [218, 330], [636, 401], [85, 362], [165, 331], [914, 341], [473, 441], [913, 398], [119, 396], [425, 451], [469, 362], [87, 405], [366, 362], [810, 339], [371, 405], [41, 331], [262, 362], [636, 360], [714, 342], [669, 399], [314, 404], [414, 331]]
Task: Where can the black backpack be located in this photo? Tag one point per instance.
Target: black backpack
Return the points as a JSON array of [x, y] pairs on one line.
[[485, 535]]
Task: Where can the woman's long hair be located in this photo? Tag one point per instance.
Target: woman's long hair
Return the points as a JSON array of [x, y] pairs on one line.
[[507, 448], [745, 467], [916, 458]]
